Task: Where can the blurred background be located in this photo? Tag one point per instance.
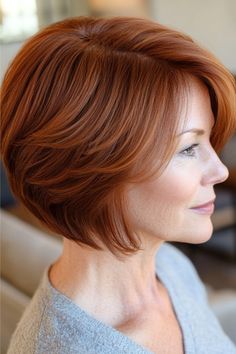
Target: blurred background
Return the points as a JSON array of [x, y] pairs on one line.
[[26, 246]]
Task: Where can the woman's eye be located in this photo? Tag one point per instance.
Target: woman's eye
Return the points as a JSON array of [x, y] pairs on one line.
[[190, 151]]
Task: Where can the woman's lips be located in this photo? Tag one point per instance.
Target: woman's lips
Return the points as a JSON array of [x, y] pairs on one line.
[[205, 209]]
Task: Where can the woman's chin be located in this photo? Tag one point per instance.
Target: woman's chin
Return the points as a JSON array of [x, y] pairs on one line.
[[198, 234], [202, 235]]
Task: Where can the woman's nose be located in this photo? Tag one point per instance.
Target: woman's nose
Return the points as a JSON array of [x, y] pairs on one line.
[[217, 171]]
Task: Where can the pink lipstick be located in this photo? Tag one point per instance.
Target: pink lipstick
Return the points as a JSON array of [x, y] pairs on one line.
[[207, 208]]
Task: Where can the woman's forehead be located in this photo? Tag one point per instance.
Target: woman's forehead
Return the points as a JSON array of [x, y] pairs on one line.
[[199, 114]]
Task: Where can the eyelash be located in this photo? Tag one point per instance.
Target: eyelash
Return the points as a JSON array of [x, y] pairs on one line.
[[191, 149]]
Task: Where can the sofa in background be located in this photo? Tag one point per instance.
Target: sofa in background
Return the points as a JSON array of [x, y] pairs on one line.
[[25, 252]]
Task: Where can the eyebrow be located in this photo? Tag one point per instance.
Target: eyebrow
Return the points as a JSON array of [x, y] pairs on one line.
[[194, 130]]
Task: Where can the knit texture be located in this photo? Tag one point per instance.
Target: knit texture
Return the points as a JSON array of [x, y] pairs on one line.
[[53, 324]]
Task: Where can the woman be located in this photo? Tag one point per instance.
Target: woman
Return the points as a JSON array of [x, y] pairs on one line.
[[109, 136]]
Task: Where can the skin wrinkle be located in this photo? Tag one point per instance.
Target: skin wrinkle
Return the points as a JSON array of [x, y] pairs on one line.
[[126, 293]]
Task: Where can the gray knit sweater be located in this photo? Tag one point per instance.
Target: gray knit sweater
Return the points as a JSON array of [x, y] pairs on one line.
[[53, 324]]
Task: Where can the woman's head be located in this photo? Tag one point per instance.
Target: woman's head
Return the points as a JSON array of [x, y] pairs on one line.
[[91, 106]]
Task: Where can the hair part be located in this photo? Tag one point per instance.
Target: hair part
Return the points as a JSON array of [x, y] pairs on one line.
[[90, 105]]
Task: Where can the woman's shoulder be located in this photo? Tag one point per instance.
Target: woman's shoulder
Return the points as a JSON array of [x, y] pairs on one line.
[[44, 325], [26, 333]]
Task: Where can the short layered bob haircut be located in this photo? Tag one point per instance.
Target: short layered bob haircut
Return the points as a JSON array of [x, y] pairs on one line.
[[90, 105]]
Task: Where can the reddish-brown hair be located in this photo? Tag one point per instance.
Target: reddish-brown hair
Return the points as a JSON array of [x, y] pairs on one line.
[[90, 105]]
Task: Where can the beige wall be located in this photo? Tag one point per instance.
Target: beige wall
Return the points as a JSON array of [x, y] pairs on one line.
[[210, 22], [7, 53]]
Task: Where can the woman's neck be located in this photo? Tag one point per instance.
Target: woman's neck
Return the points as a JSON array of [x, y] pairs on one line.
[[111, 290]]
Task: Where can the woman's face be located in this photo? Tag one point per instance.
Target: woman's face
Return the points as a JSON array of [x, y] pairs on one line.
[[162, 208]]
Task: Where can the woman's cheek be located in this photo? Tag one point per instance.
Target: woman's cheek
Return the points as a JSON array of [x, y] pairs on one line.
[[178, 186]]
